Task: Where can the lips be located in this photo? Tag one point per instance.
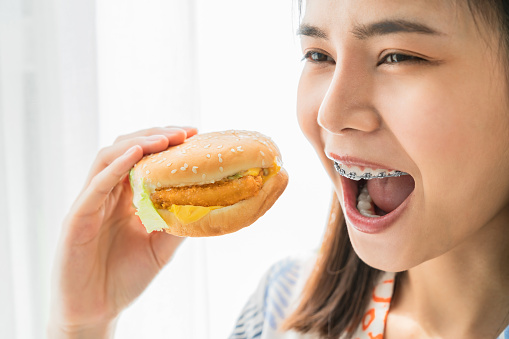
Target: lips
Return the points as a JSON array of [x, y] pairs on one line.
[[390, 192]]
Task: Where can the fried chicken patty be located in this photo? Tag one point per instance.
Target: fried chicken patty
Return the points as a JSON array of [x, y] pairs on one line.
[[222, 193]]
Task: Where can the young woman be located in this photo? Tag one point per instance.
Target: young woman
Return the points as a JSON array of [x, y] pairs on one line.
[[406, 103]]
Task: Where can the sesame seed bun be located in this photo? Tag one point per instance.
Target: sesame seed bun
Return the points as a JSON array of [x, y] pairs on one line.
[[205, 159]]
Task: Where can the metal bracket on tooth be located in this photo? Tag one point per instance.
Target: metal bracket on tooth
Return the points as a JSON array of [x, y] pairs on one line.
[[366, 176]]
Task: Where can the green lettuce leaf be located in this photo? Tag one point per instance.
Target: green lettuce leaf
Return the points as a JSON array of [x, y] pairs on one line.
[[145, 208]]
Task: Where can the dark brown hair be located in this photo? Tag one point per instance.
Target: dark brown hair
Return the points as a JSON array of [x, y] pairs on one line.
[[338, 291]]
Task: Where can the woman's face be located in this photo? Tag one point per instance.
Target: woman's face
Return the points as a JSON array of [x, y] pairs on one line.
[[411, 86]]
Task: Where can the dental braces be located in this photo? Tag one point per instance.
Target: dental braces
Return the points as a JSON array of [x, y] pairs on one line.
[[367, 176]]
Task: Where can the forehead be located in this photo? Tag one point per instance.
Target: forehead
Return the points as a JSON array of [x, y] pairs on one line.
[[339, 15]]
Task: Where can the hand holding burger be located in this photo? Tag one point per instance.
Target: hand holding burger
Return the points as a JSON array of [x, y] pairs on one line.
[[212, 184], [105, 258]]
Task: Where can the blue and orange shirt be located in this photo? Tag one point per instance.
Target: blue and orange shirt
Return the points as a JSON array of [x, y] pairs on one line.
[[278, 295]]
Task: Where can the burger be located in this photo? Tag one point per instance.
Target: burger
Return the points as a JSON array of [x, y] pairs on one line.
[[212, 184]]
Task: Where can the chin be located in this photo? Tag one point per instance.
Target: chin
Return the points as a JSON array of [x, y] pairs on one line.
[[390, 251]]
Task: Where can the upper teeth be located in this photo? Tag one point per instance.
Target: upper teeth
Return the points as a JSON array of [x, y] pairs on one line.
[[355, 173]]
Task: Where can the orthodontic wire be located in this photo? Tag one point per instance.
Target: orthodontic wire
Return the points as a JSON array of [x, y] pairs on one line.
[[366, 176]]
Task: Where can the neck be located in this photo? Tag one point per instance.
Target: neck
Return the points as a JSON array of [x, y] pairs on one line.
[[463, 293]]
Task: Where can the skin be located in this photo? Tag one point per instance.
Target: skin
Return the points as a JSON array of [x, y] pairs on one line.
[[437, 110], [95, 278]]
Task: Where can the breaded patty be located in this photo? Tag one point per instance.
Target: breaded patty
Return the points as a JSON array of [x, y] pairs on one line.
[[222, 193]]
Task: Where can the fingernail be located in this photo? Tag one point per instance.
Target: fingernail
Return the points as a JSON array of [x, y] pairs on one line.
[[130, 150]]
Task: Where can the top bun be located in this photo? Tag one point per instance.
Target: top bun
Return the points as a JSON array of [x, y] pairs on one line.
[[207, 158]]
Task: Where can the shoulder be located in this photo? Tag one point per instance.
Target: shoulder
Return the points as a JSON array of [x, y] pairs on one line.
[[274, 299]]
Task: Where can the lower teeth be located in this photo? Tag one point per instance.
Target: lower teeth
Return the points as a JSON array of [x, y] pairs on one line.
[[365, 204]]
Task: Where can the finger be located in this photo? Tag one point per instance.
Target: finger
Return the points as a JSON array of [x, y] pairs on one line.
[[189, 130], [104, 182], [171, 132], [150, 144]]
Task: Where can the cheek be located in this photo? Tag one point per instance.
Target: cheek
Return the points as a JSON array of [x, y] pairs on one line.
[[422, 122], [447, 120], [311, 91], [309, 99]]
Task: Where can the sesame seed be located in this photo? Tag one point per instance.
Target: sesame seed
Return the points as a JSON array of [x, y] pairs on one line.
[[208, 156], [220, 169], [148, 172], [233, 150], [154, 160], [186, 165], [144, 165], [195, 169], [160, 161], [263, 163], [240, 149], [168, 164], [220, 146], [174, 171], [183, 168], [220, 159], [263, 154], [184, 151], [207, 146]]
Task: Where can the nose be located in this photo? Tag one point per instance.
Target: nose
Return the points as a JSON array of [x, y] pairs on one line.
[[348, 103]]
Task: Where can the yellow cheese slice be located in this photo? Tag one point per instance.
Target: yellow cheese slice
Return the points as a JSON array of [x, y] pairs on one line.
[[187, 213]]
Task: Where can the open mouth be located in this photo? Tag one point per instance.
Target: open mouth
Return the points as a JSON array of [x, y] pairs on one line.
[[375, 192]]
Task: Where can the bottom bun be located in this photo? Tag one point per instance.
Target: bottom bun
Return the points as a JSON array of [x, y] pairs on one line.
[[231, 218]]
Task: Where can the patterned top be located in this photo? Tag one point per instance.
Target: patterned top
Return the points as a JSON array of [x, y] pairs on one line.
[[278, 294]]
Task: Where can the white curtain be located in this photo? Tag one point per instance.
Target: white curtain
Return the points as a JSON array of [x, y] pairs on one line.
[[75, 74], [49, 133]]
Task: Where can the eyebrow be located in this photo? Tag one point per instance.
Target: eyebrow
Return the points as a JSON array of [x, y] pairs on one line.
[[392, 26], [312, 31], [378, 28]]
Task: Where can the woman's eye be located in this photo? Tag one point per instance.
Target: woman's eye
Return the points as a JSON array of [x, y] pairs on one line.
[[394, 58], [317, 57]]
